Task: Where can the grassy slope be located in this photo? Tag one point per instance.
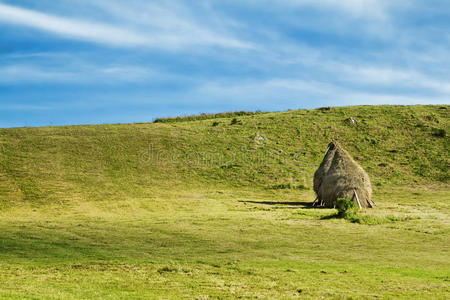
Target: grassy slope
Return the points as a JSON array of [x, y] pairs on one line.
[[184, 209]]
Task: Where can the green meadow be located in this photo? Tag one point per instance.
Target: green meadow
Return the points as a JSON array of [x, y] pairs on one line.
[[219, 207]]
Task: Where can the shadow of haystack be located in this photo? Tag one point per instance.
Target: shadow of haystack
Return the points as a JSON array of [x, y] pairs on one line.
[[281, 203], [339, 176]]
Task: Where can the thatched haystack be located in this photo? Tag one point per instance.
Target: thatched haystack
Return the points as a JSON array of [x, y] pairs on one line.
[[339, 176]]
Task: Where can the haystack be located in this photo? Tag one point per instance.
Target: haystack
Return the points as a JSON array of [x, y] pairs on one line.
[[339, 176]]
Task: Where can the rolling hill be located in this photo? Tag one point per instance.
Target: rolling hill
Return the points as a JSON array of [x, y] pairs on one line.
[[218, 206], [396, 145]]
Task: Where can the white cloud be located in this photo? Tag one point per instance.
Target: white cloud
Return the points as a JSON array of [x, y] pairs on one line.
[[86, 74], [376, 9], [71, 28], [287, 93], [114, 35], [397, 78], [15, 74], [174, 20]]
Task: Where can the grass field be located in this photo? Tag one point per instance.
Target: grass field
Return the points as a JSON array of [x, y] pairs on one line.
[[215, 208]]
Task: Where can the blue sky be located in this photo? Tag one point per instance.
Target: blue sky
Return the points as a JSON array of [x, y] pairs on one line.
[[110, 61]]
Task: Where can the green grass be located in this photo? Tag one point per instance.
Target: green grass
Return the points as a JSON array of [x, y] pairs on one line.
[[190, 210]]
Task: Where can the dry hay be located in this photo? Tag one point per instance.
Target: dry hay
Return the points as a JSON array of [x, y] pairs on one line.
[[339, 176]]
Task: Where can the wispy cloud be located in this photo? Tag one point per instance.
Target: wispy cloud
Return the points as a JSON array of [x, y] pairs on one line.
[[71, 28], [84, 74], [174, 21], [184, 34], [396, 78], [19, 74], [376, 9], [292, 92]]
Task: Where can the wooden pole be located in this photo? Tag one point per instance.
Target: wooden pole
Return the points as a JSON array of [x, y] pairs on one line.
[[357, 199], [328, 149]]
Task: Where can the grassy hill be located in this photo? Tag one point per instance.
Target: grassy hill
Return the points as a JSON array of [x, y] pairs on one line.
[[218, 206], [396, 145]]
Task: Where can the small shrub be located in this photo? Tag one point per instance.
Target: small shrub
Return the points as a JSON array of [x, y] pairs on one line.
[[230, 166], [167, 270], [301, 187], [284, 186], [438, 132], [343, 205], [234, 121], [214, 124], [347, 210], [372, 141], [324, 108], [432, 118]]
